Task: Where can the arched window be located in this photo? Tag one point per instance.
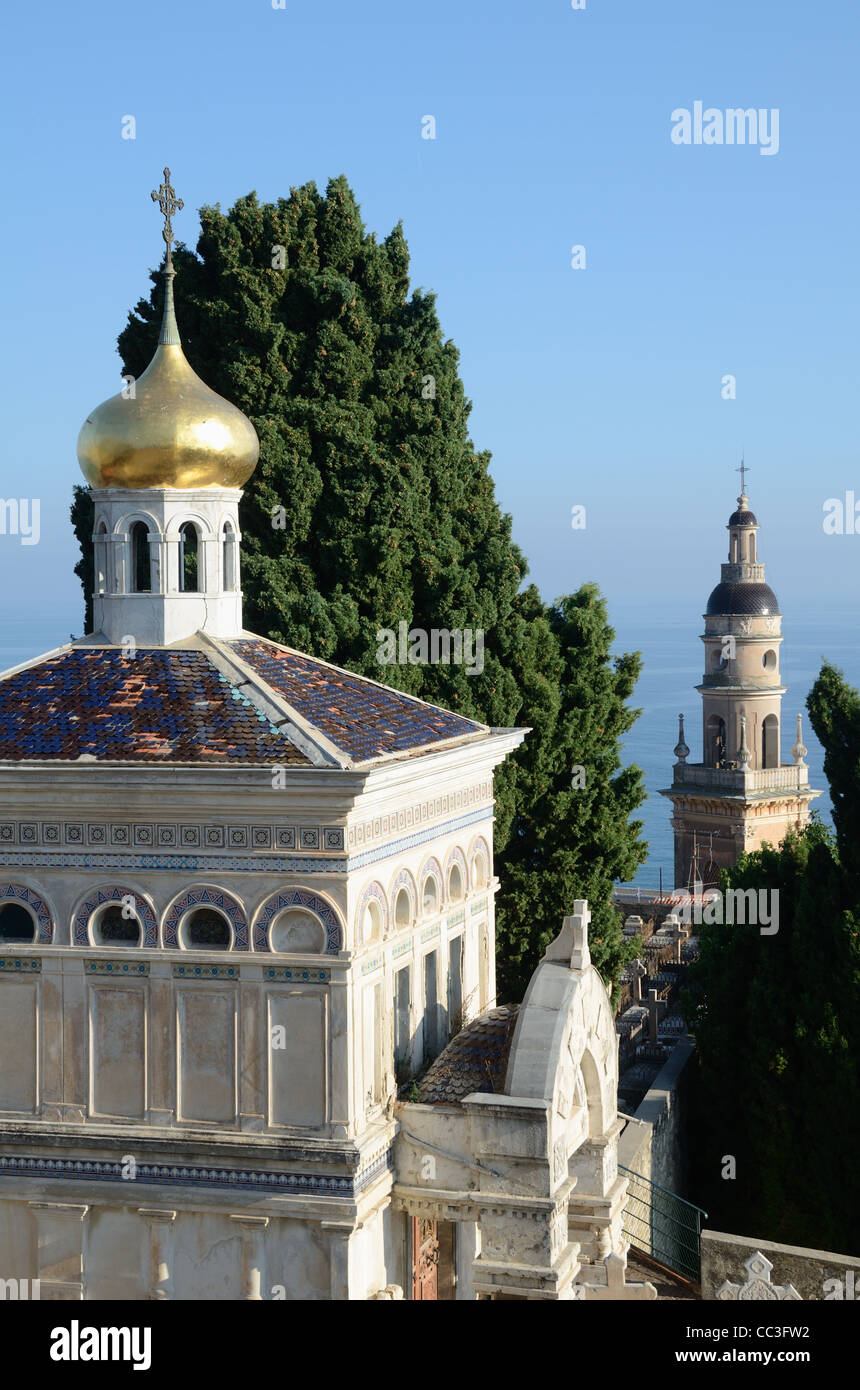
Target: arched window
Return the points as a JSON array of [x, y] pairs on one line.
[[228, 539], [188, 559], [17, 926], [371, 922], [141, 581], [297, 931], [430, 895], [752, 548], [402, 909], [112, 928], [455, 883], [716, 741], [101, 557], [768, 661], [770, 741], [205, 930], [480, 871]]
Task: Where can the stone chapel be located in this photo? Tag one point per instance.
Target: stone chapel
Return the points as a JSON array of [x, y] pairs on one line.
[[244, 897]]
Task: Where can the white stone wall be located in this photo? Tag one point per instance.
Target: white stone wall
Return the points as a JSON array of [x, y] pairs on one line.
[[165, 615]]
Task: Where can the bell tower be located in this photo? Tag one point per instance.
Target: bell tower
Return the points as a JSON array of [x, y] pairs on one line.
[[166, 460], [741, 794]]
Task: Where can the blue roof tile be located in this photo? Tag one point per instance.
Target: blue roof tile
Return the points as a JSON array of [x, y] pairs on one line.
[[362, 718], [157, 706]]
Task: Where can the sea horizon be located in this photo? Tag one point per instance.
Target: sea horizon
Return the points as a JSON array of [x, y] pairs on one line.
[[666, 632]]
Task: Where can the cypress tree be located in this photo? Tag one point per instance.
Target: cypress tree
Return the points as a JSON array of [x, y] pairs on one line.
[[776, 1023], [371, 506]]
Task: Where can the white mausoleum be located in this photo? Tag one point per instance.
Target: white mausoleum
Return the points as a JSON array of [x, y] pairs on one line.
[[244, 896]]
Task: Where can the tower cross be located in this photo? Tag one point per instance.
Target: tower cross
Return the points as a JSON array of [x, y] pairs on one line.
[[743, 470], [168, 204]]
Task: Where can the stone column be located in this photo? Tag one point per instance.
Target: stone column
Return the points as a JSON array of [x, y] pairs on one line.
[[160, 1251], [158, 562], [60, 1249], [339, 1233], [116, 578], [252, 1228]]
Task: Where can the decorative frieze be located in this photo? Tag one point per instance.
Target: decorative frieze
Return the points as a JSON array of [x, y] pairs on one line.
[[206, 972], [116, 967], [173, 835], [294, 973], [278, 1182], [419, 815]]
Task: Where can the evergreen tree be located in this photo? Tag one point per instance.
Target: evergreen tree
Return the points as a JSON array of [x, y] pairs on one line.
[[777, 1025], [572, 836], [370, 505]]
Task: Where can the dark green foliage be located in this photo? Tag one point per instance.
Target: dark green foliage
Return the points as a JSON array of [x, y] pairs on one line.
[[384, 512], [777, 1023], [834, 709], [571, 841]]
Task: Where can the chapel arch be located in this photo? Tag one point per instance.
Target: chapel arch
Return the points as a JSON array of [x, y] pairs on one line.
[[205, 929], [228, 558], [189, 558], [430, 888], [116, 925], [298, 932], [17, 924], [140, 573], [593, 1094]]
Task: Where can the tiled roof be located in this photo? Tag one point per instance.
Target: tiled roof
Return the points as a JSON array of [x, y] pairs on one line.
[[157, 706], [362, 718], [475, 1060]]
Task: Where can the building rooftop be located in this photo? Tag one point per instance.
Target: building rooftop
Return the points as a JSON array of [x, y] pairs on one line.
[[246, 701], [476, 1059]]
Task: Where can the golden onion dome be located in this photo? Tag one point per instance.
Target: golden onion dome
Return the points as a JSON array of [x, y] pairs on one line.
[[172, 431]]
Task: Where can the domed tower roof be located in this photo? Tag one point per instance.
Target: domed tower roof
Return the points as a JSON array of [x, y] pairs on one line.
[[744, 598], [742, 589], [173, 431]]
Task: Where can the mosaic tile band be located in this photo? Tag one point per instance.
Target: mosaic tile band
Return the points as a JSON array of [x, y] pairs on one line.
[[265, 1181]]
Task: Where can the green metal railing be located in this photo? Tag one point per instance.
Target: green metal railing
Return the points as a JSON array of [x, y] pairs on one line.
[[664, 1225]]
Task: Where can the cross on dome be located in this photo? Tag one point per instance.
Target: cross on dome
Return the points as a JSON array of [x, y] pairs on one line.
[[165, 196]]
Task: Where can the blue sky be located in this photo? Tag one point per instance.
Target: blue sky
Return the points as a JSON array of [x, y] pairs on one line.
[[600, 386]]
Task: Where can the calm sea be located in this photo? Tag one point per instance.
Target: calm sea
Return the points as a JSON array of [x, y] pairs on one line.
[[673, 666], [672, 656]]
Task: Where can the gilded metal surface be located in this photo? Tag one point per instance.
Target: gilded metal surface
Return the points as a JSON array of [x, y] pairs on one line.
[[175, 432]]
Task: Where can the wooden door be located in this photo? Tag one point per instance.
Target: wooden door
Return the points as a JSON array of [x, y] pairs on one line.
[[425, 1259]]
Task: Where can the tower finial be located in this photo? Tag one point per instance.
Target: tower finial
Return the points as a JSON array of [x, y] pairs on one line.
[[799, 750], [168, 203], [743, 470], [682, 752]]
